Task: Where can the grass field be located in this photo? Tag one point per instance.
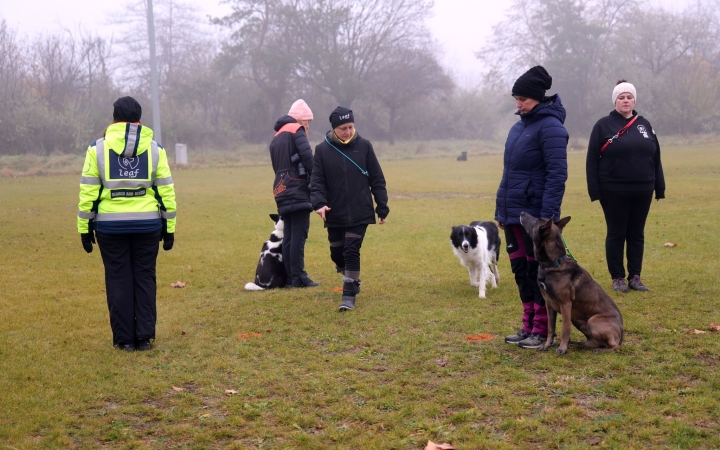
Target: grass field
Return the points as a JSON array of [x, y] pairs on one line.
[[284, 370]]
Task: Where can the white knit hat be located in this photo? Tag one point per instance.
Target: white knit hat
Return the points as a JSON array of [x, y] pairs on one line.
[[623, 87]]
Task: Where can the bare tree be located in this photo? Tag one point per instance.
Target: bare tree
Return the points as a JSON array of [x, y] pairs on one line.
[[408, 75], [345, 41], [572, 38], [179, 31], [264, 42], [656, 39]]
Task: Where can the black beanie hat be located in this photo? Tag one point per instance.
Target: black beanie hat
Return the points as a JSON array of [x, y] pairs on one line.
[[341, 116], [533, 83], [126, 109]]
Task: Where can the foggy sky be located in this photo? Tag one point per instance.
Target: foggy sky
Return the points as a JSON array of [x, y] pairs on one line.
[[459, 26]]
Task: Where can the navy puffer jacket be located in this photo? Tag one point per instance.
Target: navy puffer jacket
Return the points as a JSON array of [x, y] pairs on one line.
[[535, 164]]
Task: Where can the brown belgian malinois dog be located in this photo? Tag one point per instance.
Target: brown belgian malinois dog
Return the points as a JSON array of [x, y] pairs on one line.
[[570, 290]]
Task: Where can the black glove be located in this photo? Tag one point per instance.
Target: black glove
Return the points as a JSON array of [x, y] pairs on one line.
[[87, 239], [168, 241]]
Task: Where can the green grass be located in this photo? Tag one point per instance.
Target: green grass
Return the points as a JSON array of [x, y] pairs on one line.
[[366, 379]]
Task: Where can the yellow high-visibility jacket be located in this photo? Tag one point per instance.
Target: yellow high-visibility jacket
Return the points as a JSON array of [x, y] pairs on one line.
[[126, 185]]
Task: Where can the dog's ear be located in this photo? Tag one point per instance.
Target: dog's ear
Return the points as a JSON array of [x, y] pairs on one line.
[[547, 226], [275, 218], [564, 221]]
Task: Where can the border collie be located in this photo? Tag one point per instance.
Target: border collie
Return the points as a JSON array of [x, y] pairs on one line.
[[478, 248], [270, 272]]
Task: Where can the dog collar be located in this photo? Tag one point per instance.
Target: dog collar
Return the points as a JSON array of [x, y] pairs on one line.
[[556, 263]]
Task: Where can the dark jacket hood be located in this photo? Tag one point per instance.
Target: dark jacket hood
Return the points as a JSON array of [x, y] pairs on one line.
[[550, 106], [284, 120]]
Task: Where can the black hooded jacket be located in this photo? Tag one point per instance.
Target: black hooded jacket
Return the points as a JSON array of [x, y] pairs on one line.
[[338, 183], [290, 189]]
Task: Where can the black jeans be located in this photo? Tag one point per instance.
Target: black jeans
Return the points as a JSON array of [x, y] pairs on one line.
[[295, 234], [625, 216], [345, 246], [130, 284]]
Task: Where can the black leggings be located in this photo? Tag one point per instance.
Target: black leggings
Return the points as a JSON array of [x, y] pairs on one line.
[[625, 216], [345, 246]]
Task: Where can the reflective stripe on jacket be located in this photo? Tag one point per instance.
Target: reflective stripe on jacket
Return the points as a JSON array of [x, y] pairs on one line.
[[126, 181]]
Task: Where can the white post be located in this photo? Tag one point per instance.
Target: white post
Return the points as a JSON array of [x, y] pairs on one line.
[[181, 154]]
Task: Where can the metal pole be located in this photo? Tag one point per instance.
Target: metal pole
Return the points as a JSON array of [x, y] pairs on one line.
[[153, 74]]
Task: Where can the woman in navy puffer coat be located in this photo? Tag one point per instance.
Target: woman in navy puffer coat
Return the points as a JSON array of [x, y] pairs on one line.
[[533, 180]]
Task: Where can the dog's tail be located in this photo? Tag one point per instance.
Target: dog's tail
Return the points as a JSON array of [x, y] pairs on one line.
[[253, 287]]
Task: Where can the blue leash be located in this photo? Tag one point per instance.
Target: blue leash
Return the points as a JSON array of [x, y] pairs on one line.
[[364, 172]]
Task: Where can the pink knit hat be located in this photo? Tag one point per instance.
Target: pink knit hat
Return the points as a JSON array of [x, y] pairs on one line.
[[300, 111]]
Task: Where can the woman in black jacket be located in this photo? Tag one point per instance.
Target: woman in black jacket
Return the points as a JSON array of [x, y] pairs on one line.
[[623, 170], [346, 176], [292, 161]]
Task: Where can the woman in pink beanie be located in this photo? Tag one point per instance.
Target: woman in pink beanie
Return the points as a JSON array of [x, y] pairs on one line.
[[292, 161]]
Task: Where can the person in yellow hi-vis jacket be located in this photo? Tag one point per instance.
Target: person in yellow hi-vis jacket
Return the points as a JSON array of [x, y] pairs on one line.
[[127, 198]]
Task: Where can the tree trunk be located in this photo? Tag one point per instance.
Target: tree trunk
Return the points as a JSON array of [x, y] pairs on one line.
[[391, 127]]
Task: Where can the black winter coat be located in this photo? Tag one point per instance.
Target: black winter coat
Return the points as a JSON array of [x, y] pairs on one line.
[[336, 182], [290, 189], [630, 163]]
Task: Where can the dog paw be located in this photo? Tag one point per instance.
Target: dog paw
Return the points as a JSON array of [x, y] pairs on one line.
[[561, 351]]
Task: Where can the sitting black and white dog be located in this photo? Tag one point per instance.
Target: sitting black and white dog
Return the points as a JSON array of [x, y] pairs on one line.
[[478, 248], [270, 271]]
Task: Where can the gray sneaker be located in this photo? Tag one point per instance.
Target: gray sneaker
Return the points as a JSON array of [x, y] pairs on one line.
[[348, 303], [515, 338], [636, 284], [533, 341], [619, 285]]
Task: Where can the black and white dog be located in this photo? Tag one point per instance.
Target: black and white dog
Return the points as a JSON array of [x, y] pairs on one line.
[[478, 248], [270, 271]]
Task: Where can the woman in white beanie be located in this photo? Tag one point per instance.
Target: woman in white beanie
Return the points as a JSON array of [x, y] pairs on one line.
[[623, 171]]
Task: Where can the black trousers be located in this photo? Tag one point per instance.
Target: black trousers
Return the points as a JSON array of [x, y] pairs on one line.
[[625, 216], [130, 284], [293, 246], [345, 246]]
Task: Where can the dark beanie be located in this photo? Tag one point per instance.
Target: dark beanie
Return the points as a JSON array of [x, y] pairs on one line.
[[341, 116], [533, 83], [127, 109]]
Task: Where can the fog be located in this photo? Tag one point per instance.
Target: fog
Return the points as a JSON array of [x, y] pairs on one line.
[[409, 70]]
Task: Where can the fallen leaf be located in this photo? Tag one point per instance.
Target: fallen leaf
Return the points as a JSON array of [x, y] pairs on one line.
[[433, 446], [670, 244], [178, 389], [441, 362], [593, 441], [230, 391], [480, 337], [714, 327], [182, 333], [337, 289], [179, 284], [247, 336], [697, 332]]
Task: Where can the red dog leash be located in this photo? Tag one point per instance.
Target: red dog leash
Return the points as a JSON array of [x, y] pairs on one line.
[[619, 133]]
